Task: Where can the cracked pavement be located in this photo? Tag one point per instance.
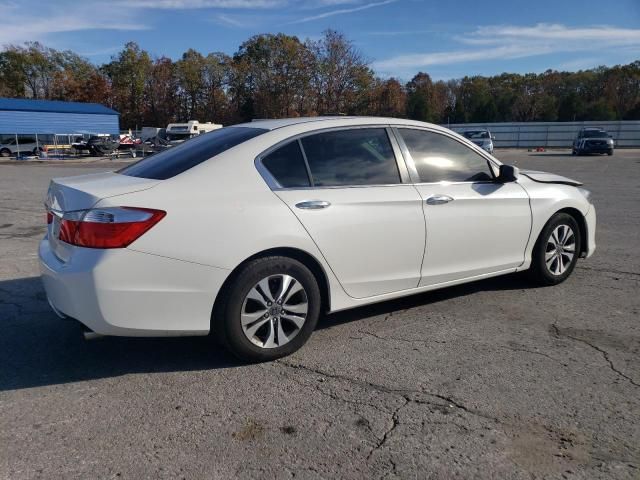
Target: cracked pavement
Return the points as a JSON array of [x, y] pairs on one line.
[[494, 379]]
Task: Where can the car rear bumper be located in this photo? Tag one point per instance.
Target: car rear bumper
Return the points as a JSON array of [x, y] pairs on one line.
[[128, 293]]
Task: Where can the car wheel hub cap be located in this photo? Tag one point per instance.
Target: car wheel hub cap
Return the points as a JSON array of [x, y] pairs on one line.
[[274, 311], [560, 249]]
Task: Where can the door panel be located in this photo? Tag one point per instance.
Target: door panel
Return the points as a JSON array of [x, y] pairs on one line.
[[475, 225], [372, 237], [484, 228]]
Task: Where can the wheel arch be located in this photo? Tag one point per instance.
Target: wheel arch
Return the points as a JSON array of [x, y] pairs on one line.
[[303, 257], [582, 225]]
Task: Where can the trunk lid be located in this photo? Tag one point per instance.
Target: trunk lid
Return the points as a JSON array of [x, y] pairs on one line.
[[81, 193]]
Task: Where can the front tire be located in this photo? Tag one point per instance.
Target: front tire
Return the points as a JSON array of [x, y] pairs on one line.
[[556, 251], [268, 310]]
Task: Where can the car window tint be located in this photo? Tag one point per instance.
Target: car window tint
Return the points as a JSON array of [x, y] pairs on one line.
[[178, 159], [286, 164], [439, 158], [358, 156]]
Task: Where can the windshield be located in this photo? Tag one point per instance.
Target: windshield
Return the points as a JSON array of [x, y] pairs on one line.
[[477, 134], [181, 158], [595, 134]]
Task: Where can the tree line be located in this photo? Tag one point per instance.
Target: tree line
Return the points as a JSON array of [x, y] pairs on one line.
[[278, 75]]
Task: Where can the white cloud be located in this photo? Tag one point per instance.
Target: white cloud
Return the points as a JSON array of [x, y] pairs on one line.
[[232, 4], [20, 24], [19, 27], [457, 56], [398, 33], [342, 11], [504, 42], [194, 4], [231, 21], [547, 32]]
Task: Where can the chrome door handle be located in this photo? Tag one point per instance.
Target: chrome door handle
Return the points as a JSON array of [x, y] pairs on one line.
[[313, 205], [438, 199]]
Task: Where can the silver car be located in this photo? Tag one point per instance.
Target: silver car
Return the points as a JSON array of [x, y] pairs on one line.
[[25, 145], [482, 138]]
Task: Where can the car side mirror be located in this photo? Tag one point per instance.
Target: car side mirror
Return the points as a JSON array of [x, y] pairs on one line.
[[508, 173], [493, 137]]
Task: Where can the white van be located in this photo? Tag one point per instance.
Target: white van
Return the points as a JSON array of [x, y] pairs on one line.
[[179, 132]]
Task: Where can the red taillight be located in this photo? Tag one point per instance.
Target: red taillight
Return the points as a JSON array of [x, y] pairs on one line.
[[111, 227], [49, 218]]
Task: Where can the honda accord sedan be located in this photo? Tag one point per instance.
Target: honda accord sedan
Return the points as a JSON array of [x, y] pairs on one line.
[[251, 232]]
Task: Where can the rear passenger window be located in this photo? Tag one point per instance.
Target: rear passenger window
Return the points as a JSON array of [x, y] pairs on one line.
[[358, 156], [439, 158], [286, 165]]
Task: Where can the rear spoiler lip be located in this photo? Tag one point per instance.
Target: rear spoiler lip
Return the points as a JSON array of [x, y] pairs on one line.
[[68, 183]]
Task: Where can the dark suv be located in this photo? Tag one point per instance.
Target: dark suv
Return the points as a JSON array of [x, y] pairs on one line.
[[593, 140]]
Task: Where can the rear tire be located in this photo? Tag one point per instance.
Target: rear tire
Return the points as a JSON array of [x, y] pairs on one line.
[[268, 310], [610, 152], [556, 251]]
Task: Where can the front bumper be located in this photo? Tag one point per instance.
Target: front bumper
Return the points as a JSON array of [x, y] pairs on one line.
[[128, 293], [595, 149], [590, 220]]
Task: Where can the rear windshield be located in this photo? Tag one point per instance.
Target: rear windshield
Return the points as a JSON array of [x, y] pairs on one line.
[[178, 159]]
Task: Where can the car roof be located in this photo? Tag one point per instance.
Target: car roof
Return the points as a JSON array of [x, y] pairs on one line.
[[316, 123]]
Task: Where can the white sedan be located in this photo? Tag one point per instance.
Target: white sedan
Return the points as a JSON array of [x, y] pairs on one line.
[[250, 232]]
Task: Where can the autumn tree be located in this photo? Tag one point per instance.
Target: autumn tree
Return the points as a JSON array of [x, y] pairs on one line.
[[278, 75], [340, 75], [271, 76], [420, 98], [161, 93], [389, 99], [217, 77], [128, 72]]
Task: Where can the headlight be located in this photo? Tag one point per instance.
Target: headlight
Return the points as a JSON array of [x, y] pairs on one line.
[[585, 193]]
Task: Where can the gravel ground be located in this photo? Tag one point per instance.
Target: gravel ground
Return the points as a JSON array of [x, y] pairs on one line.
[[494, 379]]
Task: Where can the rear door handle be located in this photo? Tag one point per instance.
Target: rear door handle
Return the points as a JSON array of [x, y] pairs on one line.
[[438, 199], [313, 204]]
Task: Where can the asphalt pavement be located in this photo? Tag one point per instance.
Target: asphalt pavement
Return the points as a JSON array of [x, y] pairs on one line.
[[494, 379]]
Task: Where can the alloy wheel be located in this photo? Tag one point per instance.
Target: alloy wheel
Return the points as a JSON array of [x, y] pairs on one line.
[[274, 311], [560, 249]]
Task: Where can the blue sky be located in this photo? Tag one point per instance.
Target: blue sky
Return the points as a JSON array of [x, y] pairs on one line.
[[446, 38]]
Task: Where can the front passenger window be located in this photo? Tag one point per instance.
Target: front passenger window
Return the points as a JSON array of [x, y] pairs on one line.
[[439, 158]]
